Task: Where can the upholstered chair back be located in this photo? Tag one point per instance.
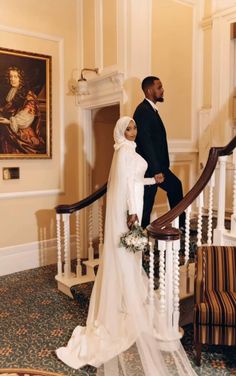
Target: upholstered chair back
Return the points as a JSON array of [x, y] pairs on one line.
[[215, 270]]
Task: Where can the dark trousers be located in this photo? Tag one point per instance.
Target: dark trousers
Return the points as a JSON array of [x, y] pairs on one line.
[[173, 187]]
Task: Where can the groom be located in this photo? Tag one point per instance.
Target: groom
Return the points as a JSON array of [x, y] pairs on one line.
[[152, 146]]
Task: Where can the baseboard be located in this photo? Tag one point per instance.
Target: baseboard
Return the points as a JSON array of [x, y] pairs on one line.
[[29, 256]]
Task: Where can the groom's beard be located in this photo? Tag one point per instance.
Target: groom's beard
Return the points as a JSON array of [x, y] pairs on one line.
[[160, 99]]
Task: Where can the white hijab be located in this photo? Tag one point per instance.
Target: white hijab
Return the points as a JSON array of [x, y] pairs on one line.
[[119, 133]]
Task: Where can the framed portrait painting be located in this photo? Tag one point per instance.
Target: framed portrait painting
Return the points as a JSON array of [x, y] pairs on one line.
[[25, 105]]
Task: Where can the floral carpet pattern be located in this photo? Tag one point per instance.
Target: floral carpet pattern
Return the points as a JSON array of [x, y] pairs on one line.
[[36, 319]]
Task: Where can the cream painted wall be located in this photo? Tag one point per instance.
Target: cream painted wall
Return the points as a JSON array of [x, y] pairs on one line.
[[207, 68], [207, 56], [109, 33], [89, 33], [29, 219], [172, 24]]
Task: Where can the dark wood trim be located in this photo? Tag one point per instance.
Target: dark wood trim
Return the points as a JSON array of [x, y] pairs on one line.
[[68, 209], [166, 219], [165, 233]]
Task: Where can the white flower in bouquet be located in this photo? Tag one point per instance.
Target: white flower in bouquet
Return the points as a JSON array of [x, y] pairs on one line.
[[135, 240]]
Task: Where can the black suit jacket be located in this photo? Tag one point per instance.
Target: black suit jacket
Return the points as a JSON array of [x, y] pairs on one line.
[[151, 139]]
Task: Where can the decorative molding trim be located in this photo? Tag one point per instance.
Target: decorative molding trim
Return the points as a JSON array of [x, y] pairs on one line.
[[45, 192], [187, 2], [106, 89], [197, 68], [182, 146], [122, 40], [27, 256], [139, 12], [10, 29], [21, 257], [222, 71], [206, 23], [226, 11], [98, 17], [60, 41]]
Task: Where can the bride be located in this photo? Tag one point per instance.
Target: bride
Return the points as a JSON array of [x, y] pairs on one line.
[[119, 338]]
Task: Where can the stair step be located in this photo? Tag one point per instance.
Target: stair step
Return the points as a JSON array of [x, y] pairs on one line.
[[92, 263], [64, 284]]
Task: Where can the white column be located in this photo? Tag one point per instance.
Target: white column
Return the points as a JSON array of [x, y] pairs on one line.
[[187, 234], [78, 246], [176, 248], [67, 266], [221, 196], [210, 209], [200, 204], [151, 282], [90, 232], [59, 263], [218, 234], [169, 285], [100, 226], [161, 247]]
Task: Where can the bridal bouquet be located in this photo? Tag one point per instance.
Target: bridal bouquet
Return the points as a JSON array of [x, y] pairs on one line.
[[135, 240]]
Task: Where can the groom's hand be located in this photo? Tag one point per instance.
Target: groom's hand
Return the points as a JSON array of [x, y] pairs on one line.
[[132, 218], [159, 178]]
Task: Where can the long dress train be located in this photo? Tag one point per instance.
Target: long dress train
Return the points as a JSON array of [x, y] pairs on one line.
[[119, 338]]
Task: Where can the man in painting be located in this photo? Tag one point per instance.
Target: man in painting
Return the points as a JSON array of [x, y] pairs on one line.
[[20, 117]]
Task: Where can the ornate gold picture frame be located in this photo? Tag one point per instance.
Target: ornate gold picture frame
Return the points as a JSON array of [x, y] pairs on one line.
[[25, 105]]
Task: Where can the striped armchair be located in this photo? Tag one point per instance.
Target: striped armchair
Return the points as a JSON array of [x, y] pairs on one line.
[[215, 297]]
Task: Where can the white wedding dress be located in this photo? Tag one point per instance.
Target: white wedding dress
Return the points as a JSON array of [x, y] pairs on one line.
[[118, 338]]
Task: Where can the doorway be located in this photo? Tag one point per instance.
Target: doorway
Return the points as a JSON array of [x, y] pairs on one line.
[[103, 123]]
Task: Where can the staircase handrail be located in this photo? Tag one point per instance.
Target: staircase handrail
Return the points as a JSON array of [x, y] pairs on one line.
[[166, 219], [69, 209]]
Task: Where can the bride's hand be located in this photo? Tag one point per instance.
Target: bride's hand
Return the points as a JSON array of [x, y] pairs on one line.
[[132, 218]]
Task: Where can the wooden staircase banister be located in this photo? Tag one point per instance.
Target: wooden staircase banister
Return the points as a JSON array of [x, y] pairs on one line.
[[166, 219], [68, 209]]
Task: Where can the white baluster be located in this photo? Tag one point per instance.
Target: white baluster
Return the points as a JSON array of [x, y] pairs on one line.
[[151, 281], [67, 266], [169, 285], [221, 198], [100, 226], [218, 234], [187, 235], [210, 209], [176, 248], [90, 232], [199, 221], [59, 261], [78, 245], [233, 216], [161, 247]]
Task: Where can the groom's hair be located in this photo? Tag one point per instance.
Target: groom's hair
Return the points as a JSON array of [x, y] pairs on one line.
[[148, 81]]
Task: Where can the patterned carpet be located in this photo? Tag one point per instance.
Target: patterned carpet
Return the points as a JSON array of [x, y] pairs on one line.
[[36, 319]]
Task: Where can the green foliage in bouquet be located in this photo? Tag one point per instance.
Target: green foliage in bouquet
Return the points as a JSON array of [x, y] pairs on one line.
[[135, 240]]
